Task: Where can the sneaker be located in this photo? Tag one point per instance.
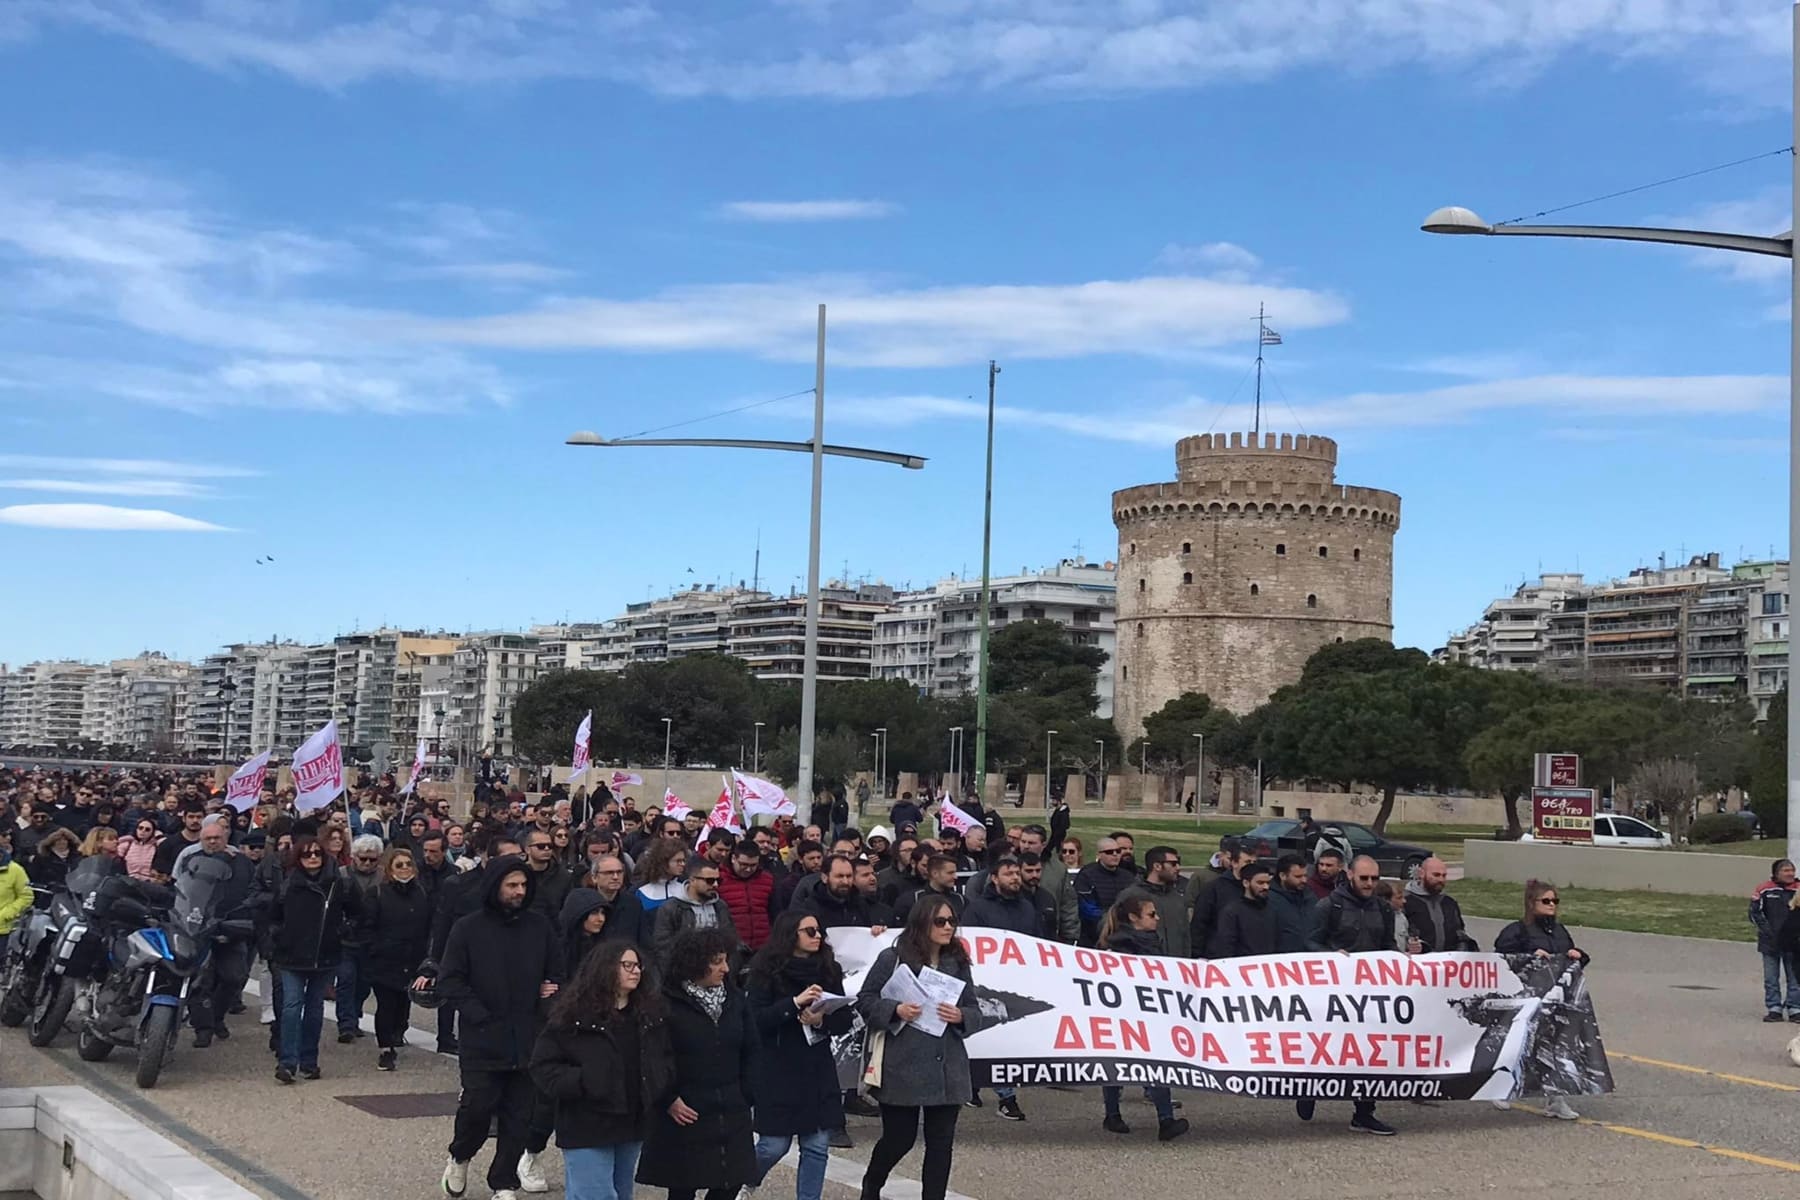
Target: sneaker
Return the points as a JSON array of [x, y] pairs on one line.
[[388, 1060], [975, 1101], [456, 1177], [840, 1140], [1115, 1124], [1171, 1128], [1371, 1124], [1772, 1017], [345, 1037], [531, 1178], [1794, 1017], [309, 1072], [1503, 1105], [284, 1074], [202, 1038], [1305, 1108], [1559, 1108], [858, 1106], [1009, 1109]]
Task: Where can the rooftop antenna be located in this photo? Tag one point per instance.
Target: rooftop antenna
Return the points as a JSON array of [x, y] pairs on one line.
[[756, 569]]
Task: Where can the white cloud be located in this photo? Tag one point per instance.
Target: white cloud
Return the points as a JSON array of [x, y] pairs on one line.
[[807, 210], [1168, 316], [1769, 213], [103, 517], [110, 487], [1214, 257], [864, 48], [498, 274], [124, 466]]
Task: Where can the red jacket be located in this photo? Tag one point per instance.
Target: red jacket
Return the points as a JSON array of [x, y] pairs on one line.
[[749, 902]]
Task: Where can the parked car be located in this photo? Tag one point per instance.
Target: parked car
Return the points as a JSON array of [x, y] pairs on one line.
[[1619, 832], [1397, 859]]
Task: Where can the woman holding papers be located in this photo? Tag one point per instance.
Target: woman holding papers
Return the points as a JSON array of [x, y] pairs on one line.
[[797, 1005], [920, 996]]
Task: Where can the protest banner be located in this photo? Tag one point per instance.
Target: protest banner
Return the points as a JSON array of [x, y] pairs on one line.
[[579, 759], [953, 818], [622, 779], [418, 770], [245, 784], [318, 770], [759, 796], [674, 806], [1322, 1026], [722, 816]]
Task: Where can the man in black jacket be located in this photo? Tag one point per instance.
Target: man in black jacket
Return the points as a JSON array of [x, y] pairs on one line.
[[940, 879], [1293, 903], [500, 963], [456, 898], [835, 900], [1003, 904], [551, 881], [1217, 894], [1353, 921], [1432, 914], [1252, 925], [221, 979]]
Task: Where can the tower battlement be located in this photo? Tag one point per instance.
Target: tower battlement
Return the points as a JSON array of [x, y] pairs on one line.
[[1294, 456]]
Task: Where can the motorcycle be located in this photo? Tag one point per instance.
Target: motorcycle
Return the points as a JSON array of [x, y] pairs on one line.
[[75, 944], [22, 968], [138, 1002]]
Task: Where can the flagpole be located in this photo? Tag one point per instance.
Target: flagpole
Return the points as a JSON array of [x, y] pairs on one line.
[[987, 540], [1256, 423]]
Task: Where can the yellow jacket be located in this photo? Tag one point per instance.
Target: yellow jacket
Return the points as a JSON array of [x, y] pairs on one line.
[[15, 896]]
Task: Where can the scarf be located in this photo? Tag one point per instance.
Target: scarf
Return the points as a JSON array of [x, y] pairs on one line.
[[712, 999]]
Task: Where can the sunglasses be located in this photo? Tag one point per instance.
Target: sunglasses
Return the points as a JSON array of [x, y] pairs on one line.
[[943, 922], [706, 879], [1548, 900], [808, 931], [1112, 852], [1368, 878], [306, 854]]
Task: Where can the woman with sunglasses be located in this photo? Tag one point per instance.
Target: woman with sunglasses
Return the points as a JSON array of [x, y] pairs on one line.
[[564, 848], [138, 851], [604, 1057], [1541, 935], [796, 1083], [1131, 926], [305, 946], [1070, 851], [395, 920], [922, 1077]]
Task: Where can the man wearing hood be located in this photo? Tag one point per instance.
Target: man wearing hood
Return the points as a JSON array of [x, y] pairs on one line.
[[695, 906], [1432, 914], [499, 964], [880, 843], [1353, 921]]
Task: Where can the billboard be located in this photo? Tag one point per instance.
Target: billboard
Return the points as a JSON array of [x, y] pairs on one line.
[[1562, 814], [1556, 770]]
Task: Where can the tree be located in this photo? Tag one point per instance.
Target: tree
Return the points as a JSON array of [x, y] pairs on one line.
[[837, 757], [546, 714], [1169, 735], [1038, 658], [1669, 786], [1769, 781], [1363, 656]]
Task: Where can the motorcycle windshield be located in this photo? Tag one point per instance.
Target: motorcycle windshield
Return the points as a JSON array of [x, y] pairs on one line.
[[198, 878], [91, 872]]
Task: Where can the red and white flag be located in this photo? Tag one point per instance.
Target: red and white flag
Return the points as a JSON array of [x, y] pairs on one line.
[[951, 817], [245, 784], [622, 779], [418, 770], [318, 770], [583, 735], [673, 805], [756, 796], [722, 816]]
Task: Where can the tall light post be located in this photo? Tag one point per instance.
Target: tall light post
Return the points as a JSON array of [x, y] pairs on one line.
[[1199, 775], [955, 757], [438, 748], [1101, 742], [228, 695], [809, 682], [987, 541], [881, 735], [499, 729], [1463, 221], [756, 751], [668, 736], [1048, 734]]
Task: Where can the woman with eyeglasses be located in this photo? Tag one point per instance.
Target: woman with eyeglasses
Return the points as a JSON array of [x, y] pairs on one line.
[[395, 922], [305, 946], [923, 1078], [1133, 926], [138, 850], [604, 1057], [1541, 935], [700, 1139], [796, 1084]]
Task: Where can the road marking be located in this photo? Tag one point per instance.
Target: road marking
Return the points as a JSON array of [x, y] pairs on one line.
[[1683, 1067], [1650, 1135]]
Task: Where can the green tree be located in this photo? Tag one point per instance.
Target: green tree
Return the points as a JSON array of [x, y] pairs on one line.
[[1769, 781], [546, 715], [1038, 658], [1363, 656], [837, 757]]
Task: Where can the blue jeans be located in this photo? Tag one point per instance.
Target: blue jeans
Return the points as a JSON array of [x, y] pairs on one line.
[[352, 994], [1159, 1096], [302, 1016], [600, 1172], [815, 1148], [1773, 965]]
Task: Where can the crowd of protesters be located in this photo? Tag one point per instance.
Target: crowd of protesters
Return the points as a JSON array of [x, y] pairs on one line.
[[647, 991]]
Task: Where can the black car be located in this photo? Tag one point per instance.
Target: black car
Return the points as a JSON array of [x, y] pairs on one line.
[[1397, 859]]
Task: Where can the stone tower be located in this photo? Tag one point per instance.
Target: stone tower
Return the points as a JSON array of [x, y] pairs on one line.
[[1230, 577]]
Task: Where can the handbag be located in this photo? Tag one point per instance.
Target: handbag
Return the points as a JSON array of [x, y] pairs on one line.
[[877, 1046]]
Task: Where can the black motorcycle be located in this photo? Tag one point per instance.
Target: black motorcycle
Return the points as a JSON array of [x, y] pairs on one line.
[[22, 967], [76, 939]]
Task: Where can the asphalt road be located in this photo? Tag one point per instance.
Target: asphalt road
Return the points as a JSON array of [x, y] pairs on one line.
[[1705, 1101]]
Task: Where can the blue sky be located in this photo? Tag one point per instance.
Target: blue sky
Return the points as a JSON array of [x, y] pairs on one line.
[[338, 278]]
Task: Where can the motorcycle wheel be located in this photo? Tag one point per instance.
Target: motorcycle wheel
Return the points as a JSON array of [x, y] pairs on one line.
[[92, 1047], [55, 999], [15, 1005], [153, 1044]]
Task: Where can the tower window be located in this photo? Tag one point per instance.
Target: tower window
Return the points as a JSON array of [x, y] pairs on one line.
[[1356, 554], [1187, 577], [1187, 547], [1125, 672], [1312, 601], [1133, 549], [1140, 585], [1281, 549], [1324, 551], [1254, 590]]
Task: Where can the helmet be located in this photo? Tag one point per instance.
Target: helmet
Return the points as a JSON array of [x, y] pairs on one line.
[[424, 991]]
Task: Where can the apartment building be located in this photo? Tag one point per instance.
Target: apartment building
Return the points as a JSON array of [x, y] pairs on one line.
[[769, 634]]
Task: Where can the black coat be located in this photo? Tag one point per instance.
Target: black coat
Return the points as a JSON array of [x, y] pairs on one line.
[[625, 918], [457, 897], [551, 887], [1210, 902], [307, 921], [1545, 933], [714, 1071], [583, 1069], [1293, 918], [1346, 921], [395, 920], [851, 912], [1246, 928], [795, 1081], [1420, 911], [1016, 914], [493, 967]]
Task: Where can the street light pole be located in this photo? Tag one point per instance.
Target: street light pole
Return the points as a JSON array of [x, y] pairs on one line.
[[1199, 776], [756, 750], [987, 542], [955, 757], [1048, 734], [1101, 742], [668, 733], [881, 736], [1462, 221]]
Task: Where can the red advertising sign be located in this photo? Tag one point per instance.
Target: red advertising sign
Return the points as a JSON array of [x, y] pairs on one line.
[[1556, 770], [1561, 814]]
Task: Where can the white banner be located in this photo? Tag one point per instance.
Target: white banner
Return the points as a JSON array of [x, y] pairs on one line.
[[759, 796], [673, 805], [621, 779], [245, 784], [583, 735], [1292, 1026], [318, 770], [951, 817], [418, 770]]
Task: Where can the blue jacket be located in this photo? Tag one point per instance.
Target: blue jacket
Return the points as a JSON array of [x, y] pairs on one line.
[[1769, 907]]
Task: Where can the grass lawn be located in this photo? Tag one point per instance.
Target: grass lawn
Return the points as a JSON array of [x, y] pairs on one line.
[[1189, 836], [1720, 917], [1769, 848]]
